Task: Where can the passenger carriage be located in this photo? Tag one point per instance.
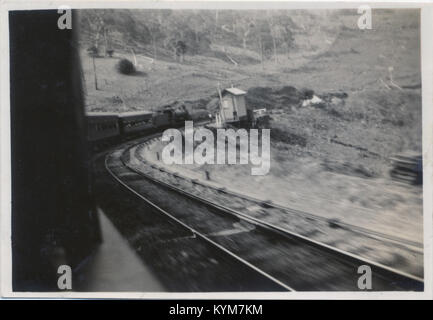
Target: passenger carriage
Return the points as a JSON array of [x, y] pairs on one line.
[[102, 127], [134, 122]]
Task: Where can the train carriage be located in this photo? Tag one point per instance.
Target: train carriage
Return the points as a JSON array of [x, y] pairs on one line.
[[102, 126], [106, 127], [135, 122], [162, 118]]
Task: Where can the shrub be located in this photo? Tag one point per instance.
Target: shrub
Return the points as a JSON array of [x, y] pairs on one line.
[[110, 52], [125, 66], [93, 51], [307, 93], [283, 135]]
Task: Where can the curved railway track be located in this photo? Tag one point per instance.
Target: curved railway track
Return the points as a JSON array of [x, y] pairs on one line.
[[289, 260], [181, 259], [414, 245]]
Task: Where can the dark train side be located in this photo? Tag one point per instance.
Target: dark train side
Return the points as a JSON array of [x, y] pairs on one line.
[[106, 127]]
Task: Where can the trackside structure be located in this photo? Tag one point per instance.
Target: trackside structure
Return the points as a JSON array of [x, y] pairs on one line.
[[234, 111]]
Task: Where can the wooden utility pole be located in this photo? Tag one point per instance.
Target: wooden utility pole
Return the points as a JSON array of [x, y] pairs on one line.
[[154, 48], [221, 104], [106, 41], [261, 51], [216, 25], [94, 72]]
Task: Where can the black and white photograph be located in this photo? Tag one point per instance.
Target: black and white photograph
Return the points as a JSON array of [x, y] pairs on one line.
[[220, 148]]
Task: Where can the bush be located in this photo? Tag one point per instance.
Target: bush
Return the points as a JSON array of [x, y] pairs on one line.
[[125, 66], [283, 135], [93, 51], [307, 93], [110, 52]]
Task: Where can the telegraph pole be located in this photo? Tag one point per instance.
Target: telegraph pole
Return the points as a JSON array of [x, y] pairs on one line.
[[94, 72]]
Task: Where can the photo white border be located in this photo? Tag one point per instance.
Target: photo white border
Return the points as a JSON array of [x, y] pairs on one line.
[[5, 151]]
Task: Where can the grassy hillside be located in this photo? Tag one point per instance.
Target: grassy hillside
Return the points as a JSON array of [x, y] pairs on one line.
[[330, 55], [350, 69]]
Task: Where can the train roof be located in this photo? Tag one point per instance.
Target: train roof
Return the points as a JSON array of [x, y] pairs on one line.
[[101, 114], [134, 113]]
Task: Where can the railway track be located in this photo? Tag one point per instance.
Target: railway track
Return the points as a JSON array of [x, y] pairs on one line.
[[180, 259], [221, 192], [289, 260]]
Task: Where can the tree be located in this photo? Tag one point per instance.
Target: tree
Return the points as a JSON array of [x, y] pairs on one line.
[[180, 50], [155, 33], [197, 24], [285, 30], [243, 27], [216, 25], [276, 32], [96, 24], [262, 38]]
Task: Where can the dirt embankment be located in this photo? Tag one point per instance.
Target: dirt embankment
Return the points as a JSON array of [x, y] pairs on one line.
[[352, 133], [330, 156]]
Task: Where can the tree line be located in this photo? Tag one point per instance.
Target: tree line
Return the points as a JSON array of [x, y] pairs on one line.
[[180, 32]]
